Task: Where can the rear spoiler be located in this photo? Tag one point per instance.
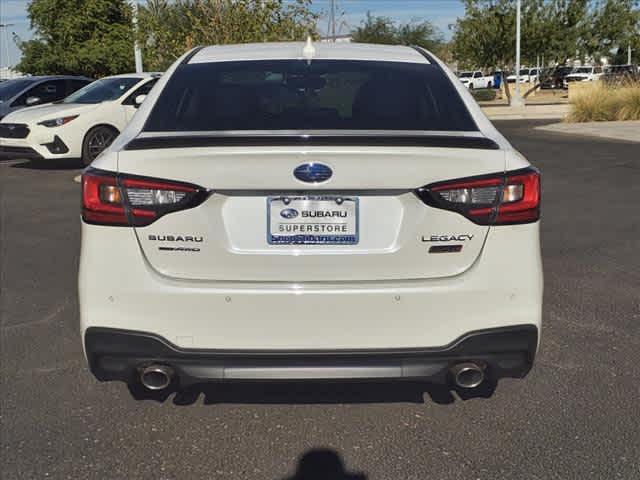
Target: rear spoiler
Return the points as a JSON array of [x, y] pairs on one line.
[[186, 140]]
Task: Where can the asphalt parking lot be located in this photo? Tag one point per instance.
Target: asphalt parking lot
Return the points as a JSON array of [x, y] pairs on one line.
[[576, 416]]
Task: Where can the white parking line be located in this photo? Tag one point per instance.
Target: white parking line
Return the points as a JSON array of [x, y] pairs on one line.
[[77, 178]]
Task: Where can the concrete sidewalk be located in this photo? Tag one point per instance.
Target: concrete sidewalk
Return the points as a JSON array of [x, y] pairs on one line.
[[528, 112], [629, 131]]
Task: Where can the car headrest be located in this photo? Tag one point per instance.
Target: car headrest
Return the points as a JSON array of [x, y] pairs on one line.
[[386, 98], [233, 100]]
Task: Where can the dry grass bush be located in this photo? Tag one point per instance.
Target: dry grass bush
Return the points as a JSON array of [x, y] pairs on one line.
[[630, 100], [599, 102]]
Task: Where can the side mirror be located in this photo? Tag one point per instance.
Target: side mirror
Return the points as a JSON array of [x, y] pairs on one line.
[[32, 100], [138, 100]]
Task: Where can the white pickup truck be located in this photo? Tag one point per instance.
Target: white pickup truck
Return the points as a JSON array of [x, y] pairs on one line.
[[527, 75], [586, 73], [476, 79]]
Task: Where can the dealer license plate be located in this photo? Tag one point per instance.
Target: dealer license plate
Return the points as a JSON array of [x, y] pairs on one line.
[[312, 220]]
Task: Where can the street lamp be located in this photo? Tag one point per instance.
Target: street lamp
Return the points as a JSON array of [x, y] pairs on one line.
[[137, 53], [6, 45], [332, 22], [517, 100]]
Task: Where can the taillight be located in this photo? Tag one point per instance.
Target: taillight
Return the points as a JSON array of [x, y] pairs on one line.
[[497, 199], [121, 200]]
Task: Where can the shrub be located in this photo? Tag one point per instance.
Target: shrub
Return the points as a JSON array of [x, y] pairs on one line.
[[630, 99], [599, 102], [483, 94]]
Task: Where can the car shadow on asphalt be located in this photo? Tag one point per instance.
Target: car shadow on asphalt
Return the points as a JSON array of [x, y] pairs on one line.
[[312, 393], [61, 164], [323, 464]]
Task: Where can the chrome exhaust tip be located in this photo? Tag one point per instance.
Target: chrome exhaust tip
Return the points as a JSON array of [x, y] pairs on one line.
[[467, 375], [156, 377]]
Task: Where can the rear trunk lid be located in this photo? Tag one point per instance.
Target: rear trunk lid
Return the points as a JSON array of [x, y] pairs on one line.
[[229, 237]]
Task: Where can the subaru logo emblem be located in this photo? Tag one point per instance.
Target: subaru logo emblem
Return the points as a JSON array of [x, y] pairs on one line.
[[289, 213], [313, 172]]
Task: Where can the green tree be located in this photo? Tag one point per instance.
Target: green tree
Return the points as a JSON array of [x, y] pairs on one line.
[[81, 37], [485, 36], [168, 29], [562, 28], [422, 34], [551, 30], [616, 25], [164, 32], [385, 31], [375, 30], [557, 30]]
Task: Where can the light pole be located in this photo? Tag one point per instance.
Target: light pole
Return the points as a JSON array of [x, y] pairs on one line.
[[332, 23], [137, 53], [6, 44], [517, 100]]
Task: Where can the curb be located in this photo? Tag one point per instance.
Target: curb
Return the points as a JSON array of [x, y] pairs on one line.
[[603, 130]]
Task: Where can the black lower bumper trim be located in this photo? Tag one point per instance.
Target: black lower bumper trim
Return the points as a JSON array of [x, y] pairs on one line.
[[119, 354], [57, 147], [20, 153]]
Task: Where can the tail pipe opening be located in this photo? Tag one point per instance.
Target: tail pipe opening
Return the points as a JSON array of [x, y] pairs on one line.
[[156, 377], [467, 375]]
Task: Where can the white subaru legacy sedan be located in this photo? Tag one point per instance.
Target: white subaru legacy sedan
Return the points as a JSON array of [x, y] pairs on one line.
[[291, 211]]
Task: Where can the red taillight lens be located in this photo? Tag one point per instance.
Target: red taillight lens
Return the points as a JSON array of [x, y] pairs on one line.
[[97, 209], [119, 200], [500, 199], [525, 208]]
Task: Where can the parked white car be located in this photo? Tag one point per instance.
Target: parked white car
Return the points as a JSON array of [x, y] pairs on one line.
[[80, 126], [587, 73], [285, 211], [526, 75], [476, 79]]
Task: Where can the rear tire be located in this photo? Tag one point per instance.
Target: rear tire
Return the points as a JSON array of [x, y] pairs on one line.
[[489, 85], [95, 141]]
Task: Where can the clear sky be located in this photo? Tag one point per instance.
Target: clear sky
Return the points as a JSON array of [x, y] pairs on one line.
[[441, 13]]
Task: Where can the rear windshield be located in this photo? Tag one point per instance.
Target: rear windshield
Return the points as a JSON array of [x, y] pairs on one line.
[[297, 95]]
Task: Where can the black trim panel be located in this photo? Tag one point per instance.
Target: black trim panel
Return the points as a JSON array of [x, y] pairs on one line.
[[20, 152], [504, 338], [14, 130], [442, 141], [426, 55], [191, 54], [118, 354], [57, 147], [304, 192]]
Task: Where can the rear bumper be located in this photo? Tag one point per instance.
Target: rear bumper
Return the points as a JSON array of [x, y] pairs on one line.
[[119, 290], [115, 354]]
